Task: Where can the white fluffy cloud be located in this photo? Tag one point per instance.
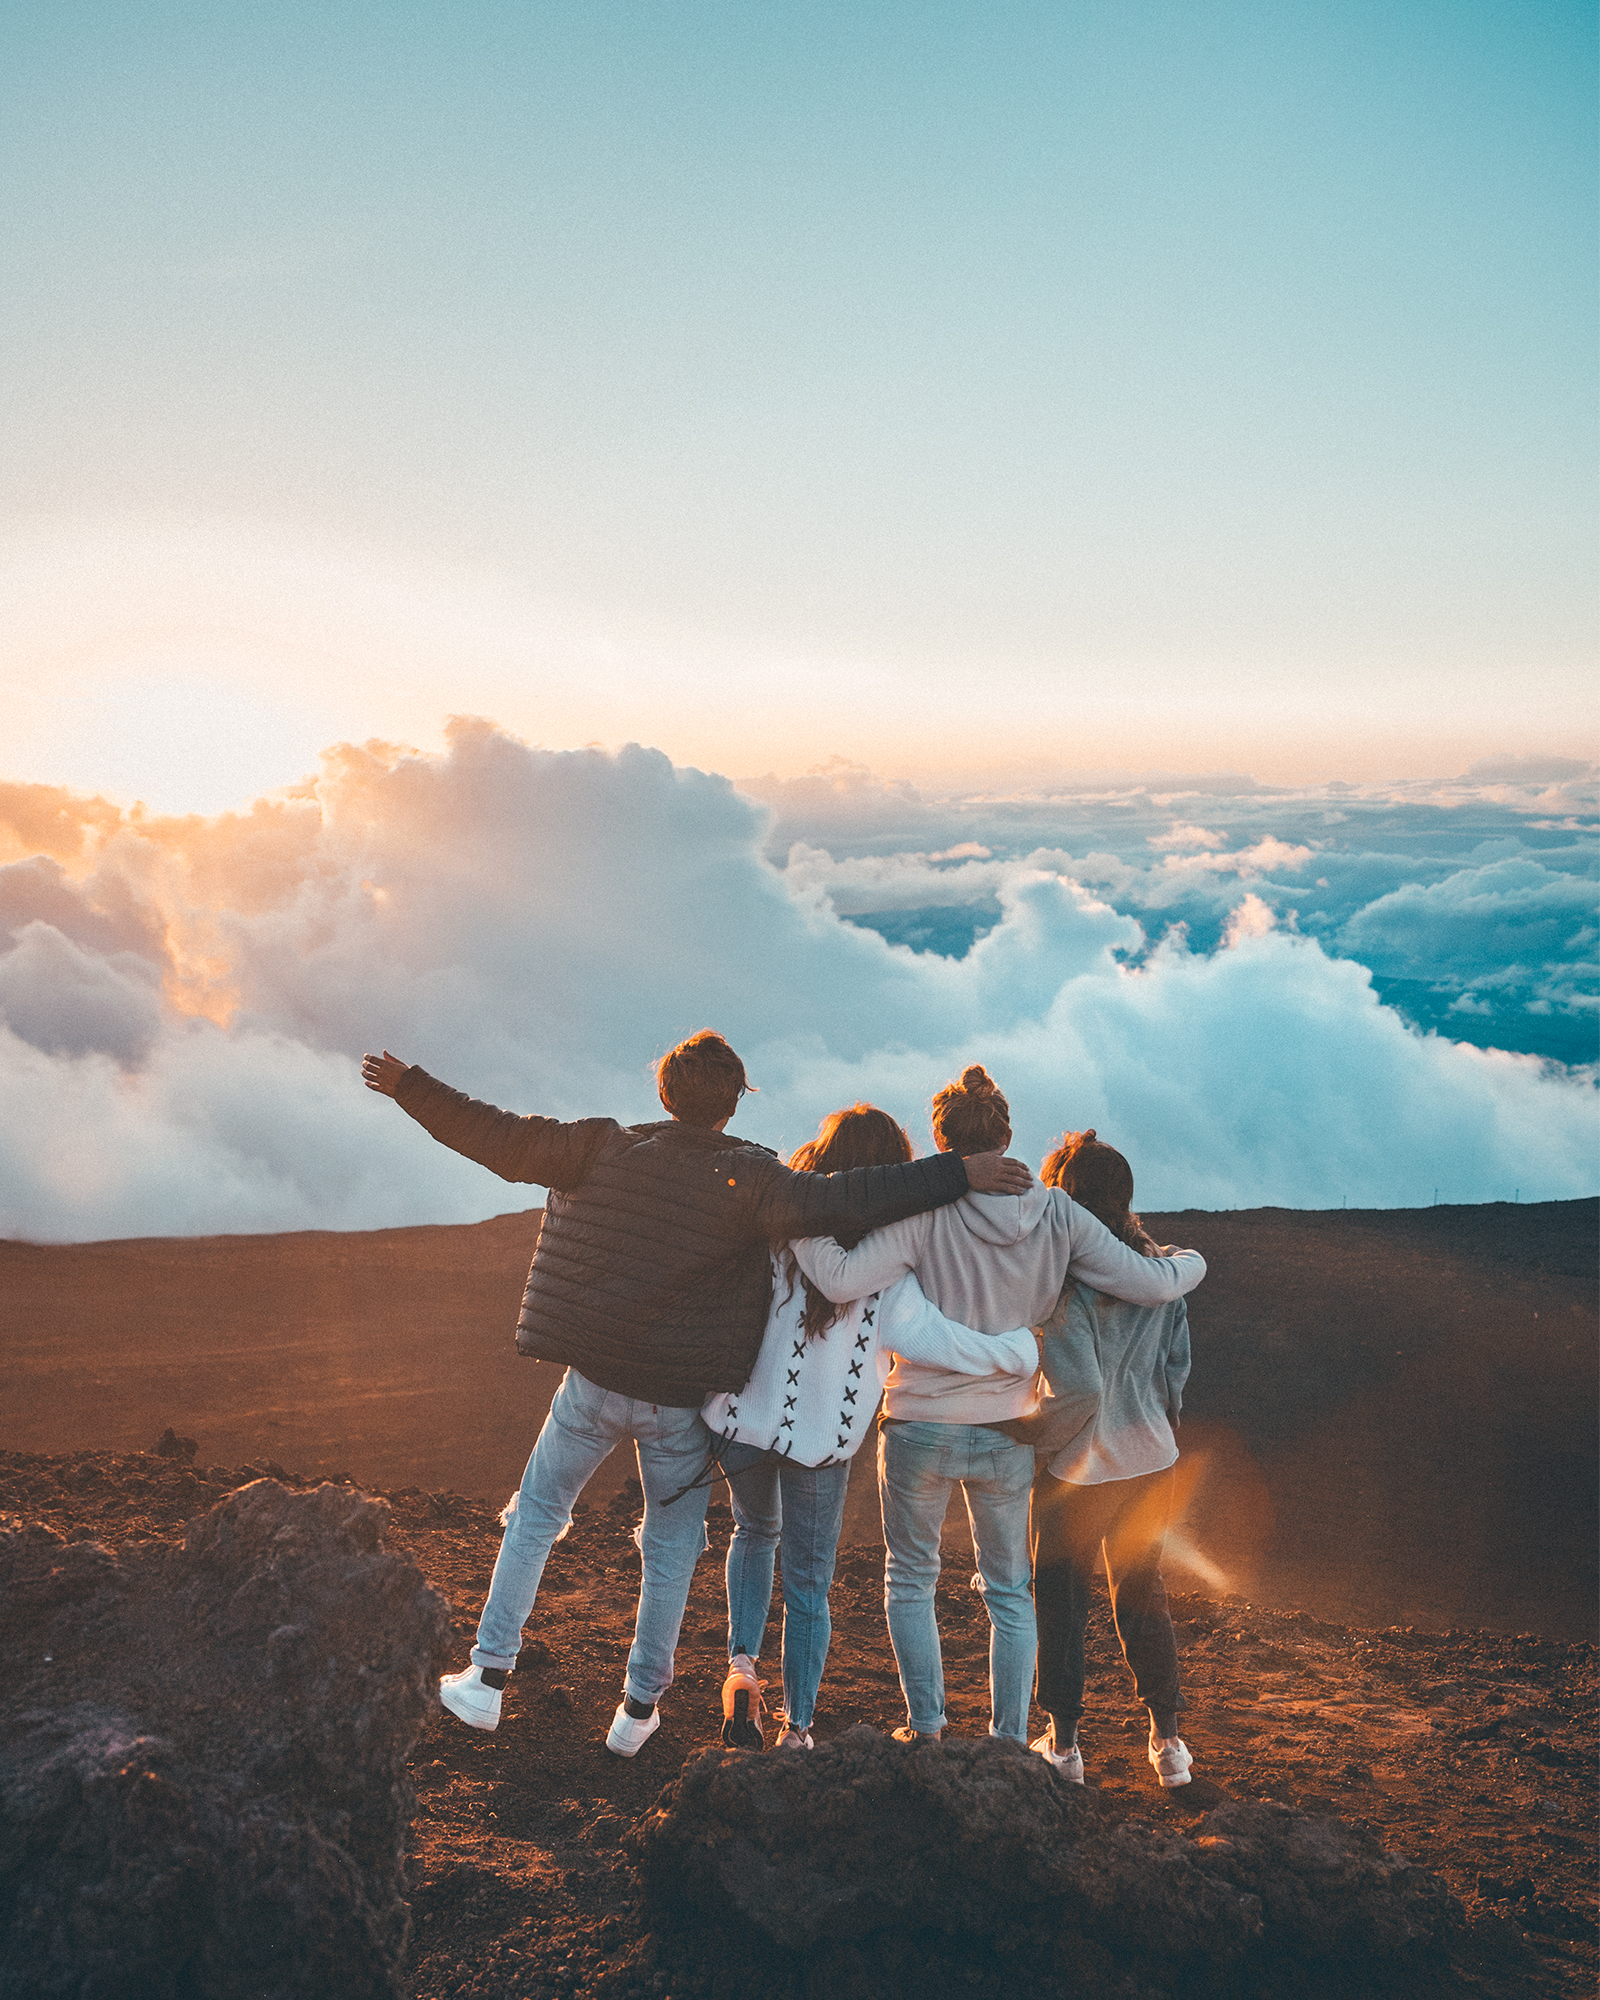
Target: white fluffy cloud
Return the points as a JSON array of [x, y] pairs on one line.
[[1478, 922], [185, 1002]]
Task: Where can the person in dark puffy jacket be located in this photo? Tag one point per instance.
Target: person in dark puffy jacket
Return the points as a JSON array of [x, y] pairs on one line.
[[650, 1283]]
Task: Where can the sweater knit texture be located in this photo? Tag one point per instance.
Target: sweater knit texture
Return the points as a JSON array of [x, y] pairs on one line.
[[813, 1400], [653, 1271]]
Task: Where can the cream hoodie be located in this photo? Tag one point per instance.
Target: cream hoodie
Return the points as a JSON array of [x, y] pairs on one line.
[[993, 1262]]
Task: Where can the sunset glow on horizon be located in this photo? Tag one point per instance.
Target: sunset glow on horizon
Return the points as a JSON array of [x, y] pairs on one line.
[[969, 395]]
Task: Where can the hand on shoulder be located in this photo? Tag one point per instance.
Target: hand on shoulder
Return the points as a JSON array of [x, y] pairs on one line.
[[993, 1173]]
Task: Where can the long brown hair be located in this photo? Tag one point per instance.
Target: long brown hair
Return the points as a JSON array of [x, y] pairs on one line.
[[859, 1136], [970, 1115], [1099, 1179]]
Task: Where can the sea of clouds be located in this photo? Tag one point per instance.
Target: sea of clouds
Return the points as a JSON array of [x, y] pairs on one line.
[[1344, 995]]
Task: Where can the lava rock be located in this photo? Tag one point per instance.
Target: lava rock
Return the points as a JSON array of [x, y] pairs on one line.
[[203, 1787], [868, 1866]]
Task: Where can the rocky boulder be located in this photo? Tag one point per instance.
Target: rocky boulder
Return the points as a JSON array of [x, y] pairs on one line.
[[203, 1786], [869, 1866]]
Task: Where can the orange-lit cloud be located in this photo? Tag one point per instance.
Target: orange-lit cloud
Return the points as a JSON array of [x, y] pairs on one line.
[[184, 1000]]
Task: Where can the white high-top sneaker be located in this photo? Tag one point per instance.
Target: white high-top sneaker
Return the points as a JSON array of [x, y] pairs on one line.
[[473, 1699], [628, 1734]]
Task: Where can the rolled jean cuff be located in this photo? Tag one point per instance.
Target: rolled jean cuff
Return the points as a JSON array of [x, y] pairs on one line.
[[503, 1660]]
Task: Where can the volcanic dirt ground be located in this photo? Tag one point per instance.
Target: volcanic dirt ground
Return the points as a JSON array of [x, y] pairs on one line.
[[1392, 1416], [1471, 1753]]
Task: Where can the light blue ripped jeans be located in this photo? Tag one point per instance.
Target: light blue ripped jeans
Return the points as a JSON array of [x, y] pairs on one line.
[[917, 1466], [585, 1425]]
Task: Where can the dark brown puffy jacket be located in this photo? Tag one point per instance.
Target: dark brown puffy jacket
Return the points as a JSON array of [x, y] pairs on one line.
[[652, 1274]]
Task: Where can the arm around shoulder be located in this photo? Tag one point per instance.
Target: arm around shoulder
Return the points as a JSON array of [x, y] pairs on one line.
[[875, 1263], [909, 1323], [1107, 1263]]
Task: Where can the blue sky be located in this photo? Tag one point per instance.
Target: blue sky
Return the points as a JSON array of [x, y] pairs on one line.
[[1214, 383]]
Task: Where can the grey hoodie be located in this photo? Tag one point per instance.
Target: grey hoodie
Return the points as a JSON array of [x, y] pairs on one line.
[[993, 1262]]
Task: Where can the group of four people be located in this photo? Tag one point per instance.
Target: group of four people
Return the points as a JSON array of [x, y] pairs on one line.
[[738, 1318]]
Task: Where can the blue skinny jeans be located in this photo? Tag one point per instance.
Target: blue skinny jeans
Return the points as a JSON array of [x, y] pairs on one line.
[[801, 1509]]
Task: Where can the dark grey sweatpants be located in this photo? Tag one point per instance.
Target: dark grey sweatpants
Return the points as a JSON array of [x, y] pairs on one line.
[[1067, 1528]]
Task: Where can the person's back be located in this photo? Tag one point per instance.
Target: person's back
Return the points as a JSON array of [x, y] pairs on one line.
[[1142, 1357], [1105, 1488], [650, 1282], [651, 1274]]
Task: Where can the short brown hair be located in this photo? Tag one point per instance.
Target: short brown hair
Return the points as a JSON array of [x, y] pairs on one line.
[[1099, 1179], [970, 1115], [701, 1080]]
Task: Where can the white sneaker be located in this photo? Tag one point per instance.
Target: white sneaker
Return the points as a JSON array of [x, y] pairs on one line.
[[628, 1735], [1068, 1762], [469, 1700], [794, 1739], [1169, 1756]]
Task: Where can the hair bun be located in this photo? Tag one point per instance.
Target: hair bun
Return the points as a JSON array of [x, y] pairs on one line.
[[1086, 1138], [977, 1080]]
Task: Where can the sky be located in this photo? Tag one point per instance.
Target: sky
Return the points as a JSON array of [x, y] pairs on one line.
[[969, 391], [1059, 536]]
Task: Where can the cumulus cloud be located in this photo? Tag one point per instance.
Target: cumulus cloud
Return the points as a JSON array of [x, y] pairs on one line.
[[1318, 858], [1187, 836], [1481, 921], [185, 1001]]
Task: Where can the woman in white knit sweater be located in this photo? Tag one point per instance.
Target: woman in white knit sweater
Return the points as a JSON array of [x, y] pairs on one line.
[[787, 1437]]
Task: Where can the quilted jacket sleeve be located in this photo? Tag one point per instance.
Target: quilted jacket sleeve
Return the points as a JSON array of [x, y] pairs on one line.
[[542, 1150], [785, 1205]]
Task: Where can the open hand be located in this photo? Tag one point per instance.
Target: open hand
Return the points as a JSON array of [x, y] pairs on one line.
[[993, 1173], [383, 1073]]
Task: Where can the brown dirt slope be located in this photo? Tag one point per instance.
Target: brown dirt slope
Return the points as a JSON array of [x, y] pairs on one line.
[[1472, 1753], [1392, 1411]]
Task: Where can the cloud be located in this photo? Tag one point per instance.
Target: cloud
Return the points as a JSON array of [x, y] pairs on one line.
[[1530, 770], [1249, 919], [185, 1000], [63, 1000], [1477, 922], [1187, 836]]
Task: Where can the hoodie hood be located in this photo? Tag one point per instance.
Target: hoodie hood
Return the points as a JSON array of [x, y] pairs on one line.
[[1002, 1219]]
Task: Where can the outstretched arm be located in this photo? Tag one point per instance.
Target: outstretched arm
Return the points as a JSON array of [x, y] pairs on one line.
[[542, 1150]]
